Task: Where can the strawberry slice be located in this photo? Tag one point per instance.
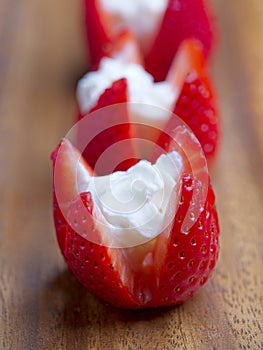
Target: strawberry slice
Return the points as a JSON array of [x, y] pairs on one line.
[[64, 169], [196, 104], [104, 41], [95, 266], [98, 39], [166, 269], [183, 19], [112, 127], [197, 108], [192, 256]]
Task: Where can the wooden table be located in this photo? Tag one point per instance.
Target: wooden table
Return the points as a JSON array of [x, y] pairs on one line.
[[42, 56]]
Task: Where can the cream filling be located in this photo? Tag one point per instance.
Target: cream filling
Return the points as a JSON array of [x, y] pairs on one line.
[[136, 205], [126, 15], [142, 90]]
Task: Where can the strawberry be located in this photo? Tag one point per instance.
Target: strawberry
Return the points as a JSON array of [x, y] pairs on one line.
[[66, 188], [98, 39], [188, 93], [104, 41], [159, 41], [112, 126], [166, 270], [196, 104], [92, 263], [190, 257], [183, 19], [126, 48], [196, 107]]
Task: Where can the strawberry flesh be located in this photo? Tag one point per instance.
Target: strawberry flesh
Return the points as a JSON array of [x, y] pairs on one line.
[[113, 127], [183, 19], [98, 39]]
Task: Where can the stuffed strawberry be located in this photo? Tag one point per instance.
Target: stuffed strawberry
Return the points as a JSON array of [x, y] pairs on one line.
[[186, 92], [140, 238], [159, 26]]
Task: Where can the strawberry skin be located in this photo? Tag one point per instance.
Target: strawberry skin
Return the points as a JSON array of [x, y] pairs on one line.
[[191, 257], [183, 19], [196, 106], [90, 262]]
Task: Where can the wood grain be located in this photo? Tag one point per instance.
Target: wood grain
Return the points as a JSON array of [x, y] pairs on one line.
[[42, 55]]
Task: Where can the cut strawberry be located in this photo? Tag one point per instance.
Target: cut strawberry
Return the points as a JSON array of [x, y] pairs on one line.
[[105, 41], [188, 59], [64, 171], [187, 92], [191, 256], [125, 47], [112, 127], [196, 104], [98, 39], [183, 19], [168, 24], [95, 266], [167, 268], [105, 22]]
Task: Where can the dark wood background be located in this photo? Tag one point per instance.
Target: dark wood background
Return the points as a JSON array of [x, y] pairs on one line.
[[42, 55]]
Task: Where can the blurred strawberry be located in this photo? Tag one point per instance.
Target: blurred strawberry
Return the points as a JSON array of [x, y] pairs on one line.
[[159, 29], [187, 92], [183, 19]]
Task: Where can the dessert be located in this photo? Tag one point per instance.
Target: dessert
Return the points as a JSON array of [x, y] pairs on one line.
[[186, 92], [150, 241], [160, 27], [133, 206]]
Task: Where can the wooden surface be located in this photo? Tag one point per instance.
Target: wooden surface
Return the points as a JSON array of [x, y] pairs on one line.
[[42, 306]]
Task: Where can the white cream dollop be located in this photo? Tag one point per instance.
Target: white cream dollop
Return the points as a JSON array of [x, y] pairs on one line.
[[137, 204], [126, 13], [142, 91]]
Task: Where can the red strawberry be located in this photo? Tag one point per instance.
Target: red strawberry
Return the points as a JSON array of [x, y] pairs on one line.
[[126, 47], [196, 104], [110, 127], [196, 107], [104, 41], [66, 188], [167, 270], [191, 257], [98, 39], [183, 19], [92, 263]]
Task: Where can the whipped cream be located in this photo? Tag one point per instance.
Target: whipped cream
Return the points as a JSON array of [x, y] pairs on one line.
[[136, 205], [126, 14], [142, 90]]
